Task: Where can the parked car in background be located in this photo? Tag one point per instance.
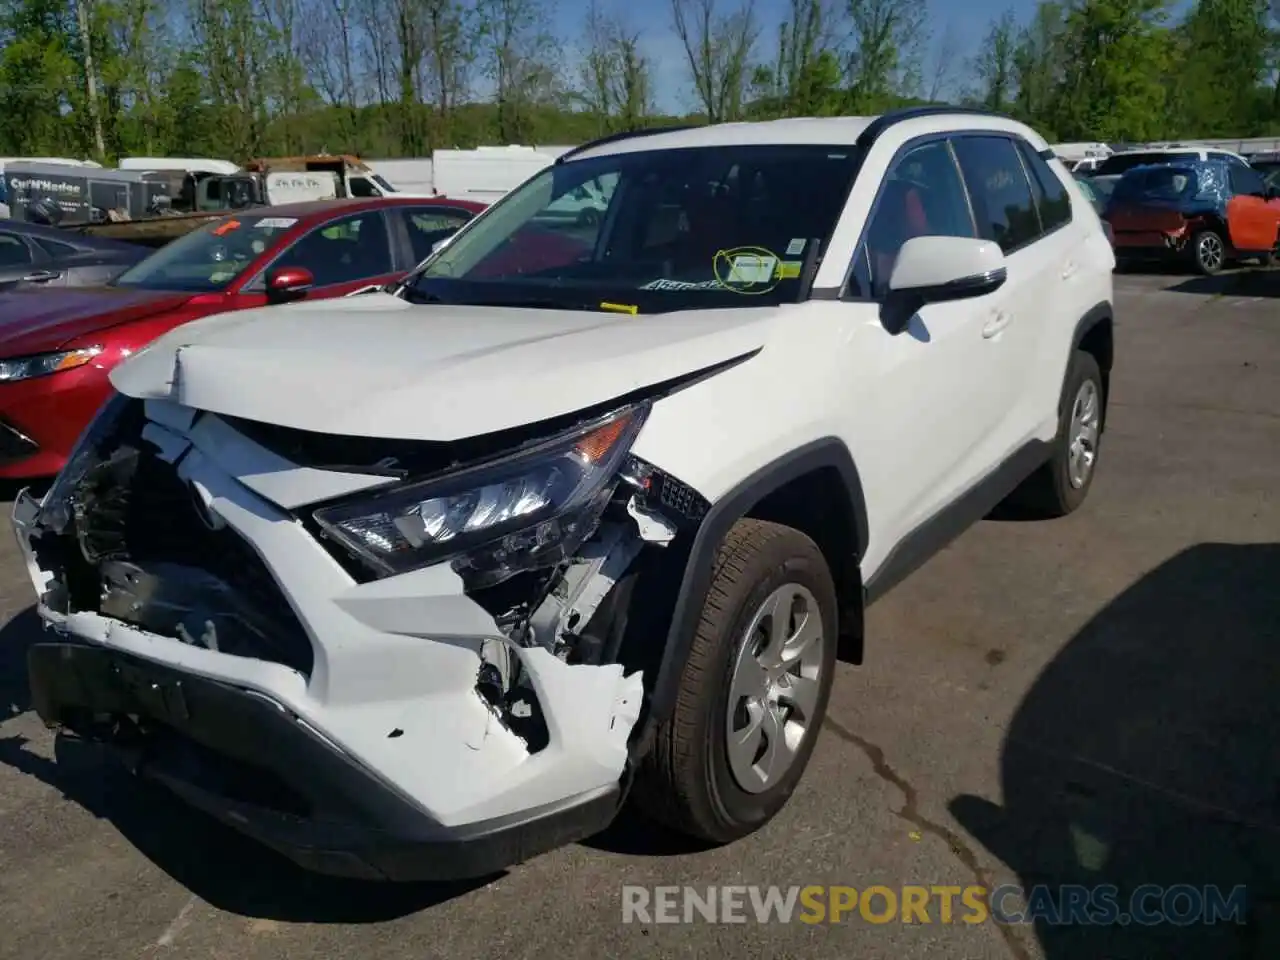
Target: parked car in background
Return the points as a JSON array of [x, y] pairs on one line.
[[1204, 212], [1104, 184], [1119, 163], [1087, 165], [33, 255], [57, 346], [1267, 164], [1095, 198]]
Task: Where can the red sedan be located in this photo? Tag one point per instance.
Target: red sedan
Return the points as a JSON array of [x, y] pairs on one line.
[[57, 346]]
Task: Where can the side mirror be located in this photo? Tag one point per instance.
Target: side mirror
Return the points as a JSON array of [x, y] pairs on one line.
[[289, 283], [938, 269]]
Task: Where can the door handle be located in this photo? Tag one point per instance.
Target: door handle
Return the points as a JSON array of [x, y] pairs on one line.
[[42, 276], [1069, 270], [999, 320]]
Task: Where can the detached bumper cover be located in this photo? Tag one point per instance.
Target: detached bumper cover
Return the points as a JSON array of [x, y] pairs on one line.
[[232, 748]]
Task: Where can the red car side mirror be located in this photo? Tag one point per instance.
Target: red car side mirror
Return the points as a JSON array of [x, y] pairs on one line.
[[289, 283]]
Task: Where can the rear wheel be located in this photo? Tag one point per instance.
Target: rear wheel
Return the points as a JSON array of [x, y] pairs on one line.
[[1061, 485], [1208, 251], [753, 692]]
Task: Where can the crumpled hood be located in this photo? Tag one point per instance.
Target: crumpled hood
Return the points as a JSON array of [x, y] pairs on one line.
[[38, 320], [377, 366]]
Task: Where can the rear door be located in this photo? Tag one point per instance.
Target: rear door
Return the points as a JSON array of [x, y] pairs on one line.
[[1039, 263], [1252, 220]]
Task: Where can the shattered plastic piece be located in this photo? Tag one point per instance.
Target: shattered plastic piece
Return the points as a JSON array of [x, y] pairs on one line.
[[600, 563], [653, 527]]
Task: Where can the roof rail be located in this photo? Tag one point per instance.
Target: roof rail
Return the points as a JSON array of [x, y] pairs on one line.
[[620, 135], [880, 124]]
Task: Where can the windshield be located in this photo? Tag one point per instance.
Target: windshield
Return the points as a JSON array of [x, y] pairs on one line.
[[383, 184], [651, 231], [209, 259]]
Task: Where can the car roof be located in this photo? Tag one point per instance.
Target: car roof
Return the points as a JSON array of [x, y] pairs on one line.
[[811, 131], [323, 209]]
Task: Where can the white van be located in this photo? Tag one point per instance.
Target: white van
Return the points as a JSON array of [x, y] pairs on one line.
[[188, 164]]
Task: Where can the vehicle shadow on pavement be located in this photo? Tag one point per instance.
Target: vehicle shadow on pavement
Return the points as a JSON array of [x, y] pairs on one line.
[[218, 865], [16, 637], [1241, 283], [1148, 752]]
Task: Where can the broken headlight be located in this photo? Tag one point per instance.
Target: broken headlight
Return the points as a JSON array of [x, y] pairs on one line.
[[525, 511]]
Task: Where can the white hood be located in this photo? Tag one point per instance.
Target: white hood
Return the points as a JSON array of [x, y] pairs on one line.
[[377, 366]]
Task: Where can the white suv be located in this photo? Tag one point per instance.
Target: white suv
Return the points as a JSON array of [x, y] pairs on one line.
[[418, 584]]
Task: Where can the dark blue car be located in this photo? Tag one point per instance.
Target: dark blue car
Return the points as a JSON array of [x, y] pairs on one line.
[[1205, 213]]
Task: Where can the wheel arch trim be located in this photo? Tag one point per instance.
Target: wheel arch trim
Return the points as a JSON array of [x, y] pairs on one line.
[[824, 453]]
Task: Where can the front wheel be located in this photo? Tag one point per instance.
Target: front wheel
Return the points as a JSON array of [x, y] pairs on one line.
[[754, 689], [1209, 252]]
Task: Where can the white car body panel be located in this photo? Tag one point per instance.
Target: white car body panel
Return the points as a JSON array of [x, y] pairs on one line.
[[384, 370]]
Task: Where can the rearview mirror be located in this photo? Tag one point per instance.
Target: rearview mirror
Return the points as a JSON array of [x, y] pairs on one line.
[[938, 269], [289, 283]]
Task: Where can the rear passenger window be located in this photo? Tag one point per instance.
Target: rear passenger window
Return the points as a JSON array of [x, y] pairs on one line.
[[922, 196], [1001, 194], [1049, 192], [1246, 182]]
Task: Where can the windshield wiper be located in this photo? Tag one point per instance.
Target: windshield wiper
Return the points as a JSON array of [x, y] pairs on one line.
[[535, 303], [414, 295]]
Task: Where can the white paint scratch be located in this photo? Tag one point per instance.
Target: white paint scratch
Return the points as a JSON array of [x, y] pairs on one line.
[[179, 923]]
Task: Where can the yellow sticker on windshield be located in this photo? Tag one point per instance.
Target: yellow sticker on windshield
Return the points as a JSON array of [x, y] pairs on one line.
[[621, 308], [748, 270]]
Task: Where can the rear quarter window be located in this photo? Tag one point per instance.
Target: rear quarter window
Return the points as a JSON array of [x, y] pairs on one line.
[[1050, 193]]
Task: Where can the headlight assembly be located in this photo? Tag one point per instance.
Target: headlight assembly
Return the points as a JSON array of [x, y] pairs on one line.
[[525, 511], [24, 368]]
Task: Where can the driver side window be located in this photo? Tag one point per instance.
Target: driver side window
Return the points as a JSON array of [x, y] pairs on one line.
[[922, 196]]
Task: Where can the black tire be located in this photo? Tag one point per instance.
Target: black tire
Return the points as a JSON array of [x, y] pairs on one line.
[[1203, 241], [1049, 492], [686, 782]]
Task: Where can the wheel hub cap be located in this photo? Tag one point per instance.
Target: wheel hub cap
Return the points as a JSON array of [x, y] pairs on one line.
[[1082, 449], [1210, 252], [773, 693]]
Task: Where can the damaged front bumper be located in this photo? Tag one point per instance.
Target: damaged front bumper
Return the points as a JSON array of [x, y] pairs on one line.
[[386, 727]]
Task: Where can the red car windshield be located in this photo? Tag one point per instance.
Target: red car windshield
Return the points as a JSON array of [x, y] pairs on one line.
[[210, 259]]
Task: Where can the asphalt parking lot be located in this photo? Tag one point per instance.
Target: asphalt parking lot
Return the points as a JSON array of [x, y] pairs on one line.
[[1094, 701]]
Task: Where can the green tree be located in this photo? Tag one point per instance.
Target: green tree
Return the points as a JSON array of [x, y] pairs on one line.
[[1116, 55]]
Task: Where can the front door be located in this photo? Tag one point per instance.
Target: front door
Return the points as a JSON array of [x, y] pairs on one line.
[[944, 374]]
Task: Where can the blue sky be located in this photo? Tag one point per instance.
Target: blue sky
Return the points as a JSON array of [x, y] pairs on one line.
[[969, 20]]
